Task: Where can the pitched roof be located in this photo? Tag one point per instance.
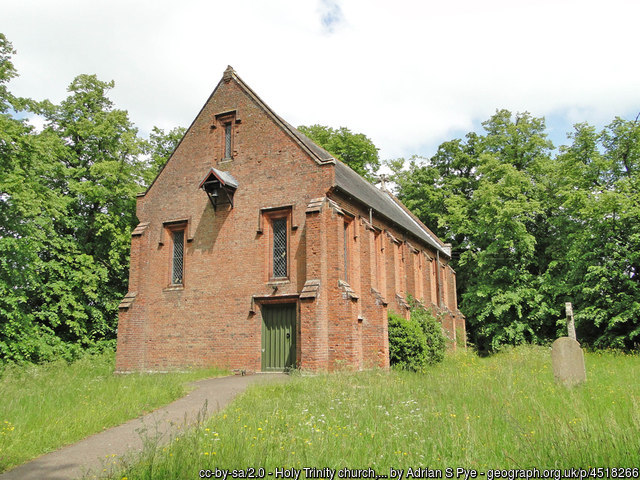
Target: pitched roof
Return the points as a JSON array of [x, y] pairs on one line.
[[346, 179], [223, 177], [352, 183], [320, 153], [384, 204]]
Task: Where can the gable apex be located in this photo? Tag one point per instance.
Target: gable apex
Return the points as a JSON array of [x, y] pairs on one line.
[[228, 73], [317, 153]]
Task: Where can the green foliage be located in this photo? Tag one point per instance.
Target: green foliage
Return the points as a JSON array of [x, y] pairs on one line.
[[159, 147], [435, 341], [531, 231], [354, 149], [599, 191], [30, 249], [415, 343], [407, 344], [501, 412], [68, 211], [7, 72], [45, 407], [67, 207]]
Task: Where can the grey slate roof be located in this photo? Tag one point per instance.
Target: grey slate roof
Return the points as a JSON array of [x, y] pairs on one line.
[[225, 178], [354, 185]]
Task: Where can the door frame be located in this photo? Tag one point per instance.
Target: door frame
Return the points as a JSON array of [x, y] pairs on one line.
[[274, 303]]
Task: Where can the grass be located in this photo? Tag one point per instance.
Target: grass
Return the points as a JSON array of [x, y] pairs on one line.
[[502, 412], [45, 407]]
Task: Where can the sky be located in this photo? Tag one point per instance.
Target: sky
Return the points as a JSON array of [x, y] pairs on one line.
[[408, 74]]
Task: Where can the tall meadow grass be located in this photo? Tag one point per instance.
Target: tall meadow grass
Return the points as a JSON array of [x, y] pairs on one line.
[[47, 406], [505, 411]]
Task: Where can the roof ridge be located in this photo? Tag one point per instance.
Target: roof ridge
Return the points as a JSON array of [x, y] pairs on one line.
[[385, 204], [413, 216]]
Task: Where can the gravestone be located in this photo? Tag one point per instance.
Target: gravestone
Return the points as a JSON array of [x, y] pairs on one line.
[[568, 362]]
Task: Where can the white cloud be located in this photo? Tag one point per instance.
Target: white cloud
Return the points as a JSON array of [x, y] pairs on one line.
[[409, 74]]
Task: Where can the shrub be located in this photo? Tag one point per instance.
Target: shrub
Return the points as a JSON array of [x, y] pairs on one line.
[[407, 344], [415, 343], [435, 341]]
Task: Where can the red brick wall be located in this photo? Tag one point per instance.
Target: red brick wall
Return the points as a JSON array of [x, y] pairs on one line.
[[401, 277], [215, 317], [209, 321], [314, 354]]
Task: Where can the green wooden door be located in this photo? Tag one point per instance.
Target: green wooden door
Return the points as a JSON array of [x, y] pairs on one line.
[[278, 337]]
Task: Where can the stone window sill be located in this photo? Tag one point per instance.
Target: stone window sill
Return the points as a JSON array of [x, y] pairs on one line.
[[173, 288]]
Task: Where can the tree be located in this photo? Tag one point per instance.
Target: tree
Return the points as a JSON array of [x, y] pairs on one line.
[[30, 247], [483, 195], [103, 173], [354, 149], [600, 255], [67, 207], [159, 148], [7, 72], [531, 231]]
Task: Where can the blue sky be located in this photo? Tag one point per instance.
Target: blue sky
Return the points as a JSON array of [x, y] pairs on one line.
[[409, 74]]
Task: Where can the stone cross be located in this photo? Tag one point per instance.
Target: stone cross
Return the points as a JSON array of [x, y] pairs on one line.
[[571, 326], [384, 178]]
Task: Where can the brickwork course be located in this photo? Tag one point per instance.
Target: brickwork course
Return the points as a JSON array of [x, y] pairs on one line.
[[249, 216]]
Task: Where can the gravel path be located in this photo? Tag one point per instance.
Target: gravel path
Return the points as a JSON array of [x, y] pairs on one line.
[[97, 454]]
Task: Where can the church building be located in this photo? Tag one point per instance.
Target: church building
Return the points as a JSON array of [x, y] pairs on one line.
[[257, 250]]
